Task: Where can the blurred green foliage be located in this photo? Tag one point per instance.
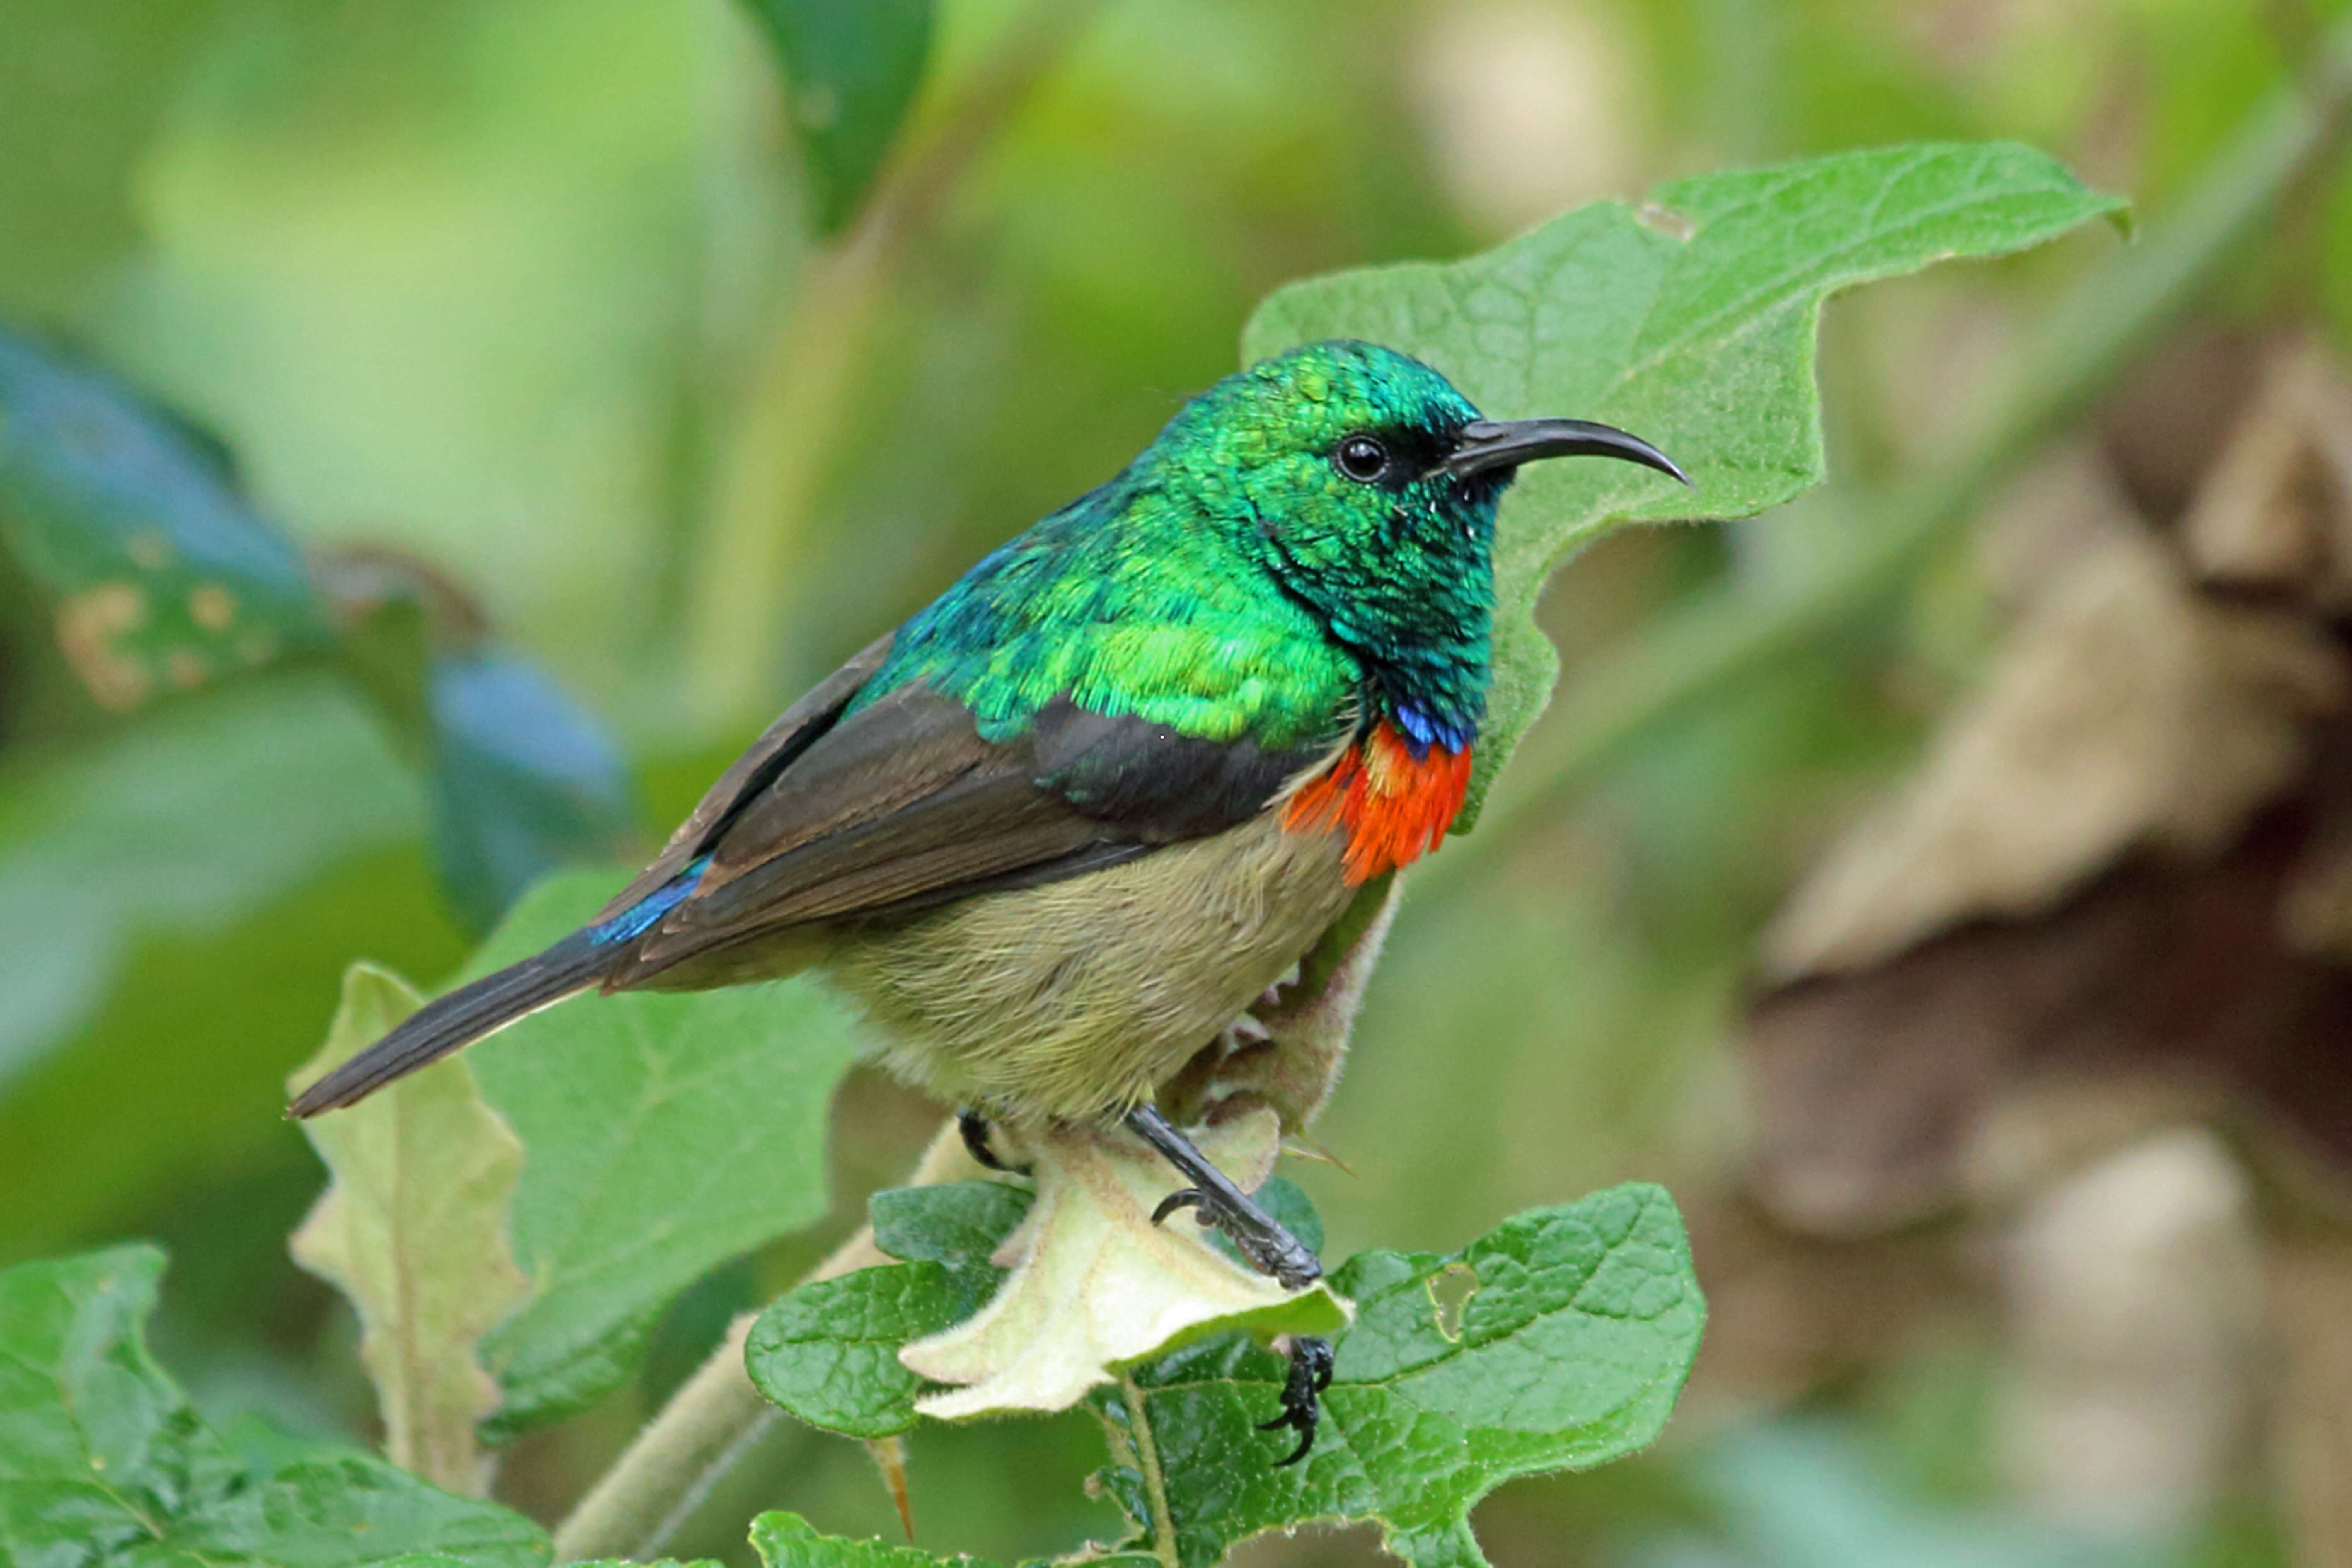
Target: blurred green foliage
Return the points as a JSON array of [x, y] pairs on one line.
[[484, 282]]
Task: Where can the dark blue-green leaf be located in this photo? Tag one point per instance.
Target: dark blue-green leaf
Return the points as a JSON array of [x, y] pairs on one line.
[[164, 578], [522, 781]]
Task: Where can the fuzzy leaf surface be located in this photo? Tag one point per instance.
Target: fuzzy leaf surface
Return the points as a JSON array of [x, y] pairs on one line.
[[665, 1133], [788, 1540], [851, 72], [103, 1461], [413, 1230], [1691, 322], [1560, 1341], [1008, 1303]]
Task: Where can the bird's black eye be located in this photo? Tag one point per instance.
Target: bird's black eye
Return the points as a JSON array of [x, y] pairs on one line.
[[1361, 458]]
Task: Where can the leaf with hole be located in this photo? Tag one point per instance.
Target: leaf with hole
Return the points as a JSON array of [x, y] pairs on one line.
[[1558, 1340]]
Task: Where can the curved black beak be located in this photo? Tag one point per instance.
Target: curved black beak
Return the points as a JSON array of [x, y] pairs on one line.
[[1487, 445]]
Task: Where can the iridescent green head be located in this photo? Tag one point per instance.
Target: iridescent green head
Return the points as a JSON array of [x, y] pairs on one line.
[[1367, 485]]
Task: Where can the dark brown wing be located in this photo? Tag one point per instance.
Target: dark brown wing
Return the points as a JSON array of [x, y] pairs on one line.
[[792, 732], [904, 806]]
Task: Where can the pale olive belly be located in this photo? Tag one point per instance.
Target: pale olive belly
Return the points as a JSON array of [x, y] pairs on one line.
[[1079, 997]]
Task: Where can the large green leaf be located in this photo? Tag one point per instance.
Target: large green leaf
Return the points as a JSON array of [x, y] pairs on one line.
[[1690, 321], [1560, 1341], [102, 1461], [164, 578], [852, 67], [663, 1135]]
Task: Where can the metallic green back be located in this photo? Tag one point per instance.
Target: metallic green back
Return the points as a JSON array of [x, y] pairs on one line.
[[1232, 582]]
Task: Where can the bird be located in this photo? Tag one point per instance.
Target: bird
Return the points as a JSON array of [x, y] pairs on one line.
[[1059, 828]]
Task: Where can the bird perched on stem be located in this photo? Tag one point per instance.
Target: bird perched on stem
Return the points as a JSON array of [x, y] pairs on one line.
[[1062, 827]]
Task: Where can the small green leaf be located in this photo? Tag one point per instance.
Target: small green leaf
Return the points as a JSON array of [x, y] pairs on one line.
[[788, 1540], [828, 1352], [665, 1134], [957, 1224], [1690, 322], [1558, 1341], [103, 1461], [413, 1229], [851, 71], [164, 578]]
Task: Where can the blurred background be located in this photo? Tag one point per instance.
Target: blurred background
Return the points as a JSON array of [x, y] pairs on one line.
[[1968, 953]]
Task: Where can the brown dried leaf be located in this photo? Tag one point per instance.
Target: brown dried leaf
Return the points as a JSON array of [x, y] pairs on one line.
[[2127, 712], [2274, 512]]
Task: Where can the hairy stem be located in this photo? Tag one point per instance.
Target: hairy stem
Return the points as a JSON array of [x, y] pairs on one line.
[[806, 379], [716, 1417], [1155, 1483], [2088, 340]]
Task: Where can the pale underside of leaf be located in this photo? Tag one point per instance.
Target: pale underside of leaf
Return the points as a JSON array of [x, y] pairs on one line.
[[1095, 1284], [413, 1230]]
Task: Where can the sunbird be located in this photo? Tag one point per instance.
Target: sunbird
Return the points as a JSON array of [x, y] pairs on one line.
[[1058, 830]]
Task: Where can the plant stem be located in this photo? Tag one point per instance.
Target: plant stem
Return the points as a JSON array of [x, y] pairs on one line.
[[1155, 1481], [797, 415], [2096, 332], [666, 1474]]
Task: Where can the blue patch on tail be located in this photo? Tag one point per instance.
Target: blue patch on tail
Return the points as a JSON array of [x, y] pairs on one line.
[[639, 917]]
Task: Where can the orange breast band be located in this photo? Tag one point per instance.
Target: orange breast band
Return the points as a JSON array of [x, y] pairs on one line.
[[1393, 806]]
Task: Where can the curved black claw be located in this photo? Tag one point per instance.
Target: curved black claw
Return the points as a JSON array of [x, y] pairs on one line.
[[1181, 1198], [972, 1127], [1302, 1404]]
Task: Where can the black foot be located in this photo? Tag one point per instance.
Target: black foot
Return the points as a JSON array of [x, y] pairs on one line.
[[1302, 1403], [1260, 1238], [972, 1127]]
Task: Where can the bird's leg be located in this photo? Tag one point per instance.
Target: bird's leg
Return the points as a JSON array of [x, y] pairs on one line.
[[1259, 1237], [1272, 1249], [972, 1127]]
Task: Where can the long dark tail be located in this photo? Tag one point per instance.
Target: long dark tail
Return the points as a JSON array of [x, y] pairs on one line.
[[460, 1018]]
